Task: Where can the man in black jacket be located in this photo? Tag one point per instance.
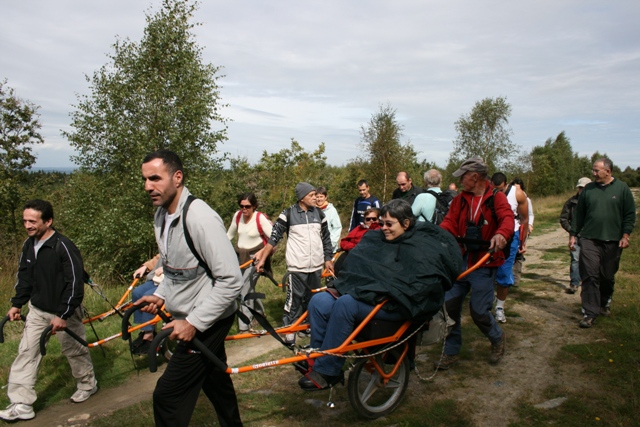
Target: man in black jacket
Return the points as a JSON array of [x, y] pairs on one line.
[[406, 190], [51, 281], [566, 217]]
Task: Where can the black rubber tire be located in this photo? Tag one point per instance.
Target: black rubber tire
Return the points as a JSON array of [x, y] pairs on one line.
[[368, 395]]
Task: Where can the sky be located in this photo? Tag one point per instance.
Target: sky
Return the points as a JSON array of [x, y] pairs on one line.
[[316, 71]]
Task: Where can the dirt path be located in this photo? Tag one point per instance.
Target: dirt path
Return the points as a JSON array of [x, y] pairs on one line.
[[139, 388], [541, 319]]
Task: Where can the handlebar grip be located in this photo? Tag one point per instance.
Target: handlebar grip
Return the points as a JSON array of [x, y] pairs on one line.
[[125, 319], [152, 357], [47, 332], [5, 320], [153, 362]]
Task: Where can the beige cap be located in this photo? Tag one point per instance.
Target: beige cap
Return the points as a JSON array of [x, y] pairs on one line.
[[582, 182]]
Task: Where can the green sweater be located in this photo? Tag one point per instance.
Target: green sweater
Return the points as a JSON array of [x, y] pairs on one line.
[[605, 212]]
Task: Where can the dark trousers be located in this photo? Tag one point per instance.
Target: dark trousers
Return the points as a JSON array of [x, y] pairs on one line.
[[599, 262], [177, 390], [299, 294]]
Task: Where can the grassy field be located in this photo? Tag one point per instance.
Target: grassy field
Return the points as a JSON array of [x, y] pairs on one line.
[[610, 365]]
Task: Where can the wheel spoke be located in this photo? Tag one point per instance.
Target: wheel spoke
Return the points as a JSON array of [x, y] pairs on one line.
[[371, 388]]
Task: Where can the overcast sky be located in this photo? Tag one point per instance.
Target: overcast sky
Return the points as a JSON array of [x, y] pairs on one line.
[[317, 70]]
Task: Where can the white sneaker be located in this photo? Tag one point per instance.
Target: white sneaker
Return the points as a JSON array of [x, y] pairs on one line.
[[500, 317], [17, 411], [82, 395]]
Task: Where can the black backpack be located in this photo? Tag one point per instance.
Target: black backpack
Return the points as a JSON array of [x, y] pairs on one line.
[[443, 201]]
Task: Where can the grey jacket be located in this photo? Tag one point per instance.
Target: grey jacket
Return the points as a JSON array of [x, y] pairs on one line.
[[189, 293]]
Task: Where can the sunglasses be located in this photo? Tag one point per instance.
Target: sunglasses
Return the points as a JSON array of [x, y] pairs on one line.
[[245, 206], [388, 224], [373, 218]]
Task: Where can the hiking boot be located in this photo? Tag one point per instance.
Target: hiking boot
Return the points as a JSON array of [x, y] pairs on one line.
[[17, 411], [497, 350], [81, 395], [500, 317], [572, 289], [445, 362], [605, 311], [304, 334], [290, 339], [587, 322]]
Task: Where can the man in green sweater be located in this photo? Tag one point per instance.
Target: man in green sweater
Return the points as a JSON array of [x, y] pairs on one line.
[[605, 217]]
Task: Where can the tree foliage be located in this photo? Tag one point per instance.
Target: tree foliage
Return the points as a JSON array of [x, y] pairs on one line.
[[384, 155], [153, 94], [19, 132], [556, 169], [485, 132]]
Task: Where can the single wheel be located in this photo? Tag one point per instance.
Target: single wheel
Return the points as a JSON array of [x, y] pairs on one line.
[[368, 393]]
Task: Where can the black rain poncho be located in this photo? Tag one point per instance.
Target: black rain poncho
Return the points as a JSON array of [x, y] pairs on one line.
[[412, 271]]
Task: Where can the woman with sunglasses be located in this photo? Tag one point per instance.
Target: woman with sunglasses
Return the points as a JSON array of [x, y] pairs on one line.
[[409, 264], [253, 229], [370, 223]]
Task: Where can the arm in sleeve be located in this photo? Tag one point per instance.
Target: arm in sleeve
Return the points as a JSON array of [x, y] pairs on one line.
[[326, 238], [73, 272], [565, 216], [23, 284], [233, 227], [578, 221], [209, 239], [531, 216], [629, 212], [354, 215], [279, 228]]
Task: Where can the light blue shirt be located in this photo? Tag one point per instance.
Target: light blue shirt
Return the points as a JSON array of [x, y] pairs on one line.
[[425, 204]]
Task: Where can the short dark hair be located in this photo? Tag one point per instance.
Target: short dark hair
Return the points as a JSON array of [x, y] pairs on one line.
[[250, 197], [322, 190], [45, 208], [606, 162], [520, 182], [374, 210], [363, 182], [498, 178], [399, 209], [169, 158]]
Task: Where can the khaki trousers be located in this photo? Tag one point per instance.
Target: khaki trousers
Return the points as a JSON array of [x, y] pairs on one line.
[[24, 370]]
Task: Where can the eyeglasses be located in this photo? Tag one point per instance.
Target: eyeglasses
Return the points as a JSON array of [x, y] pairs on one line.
[[388, 224], [245, 206], [372, 218]]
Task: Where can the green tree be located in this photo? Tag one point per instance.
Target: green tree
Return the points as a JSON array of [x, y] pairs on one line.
[[153, 94], [19, 131], [384, 155], [485, 132]]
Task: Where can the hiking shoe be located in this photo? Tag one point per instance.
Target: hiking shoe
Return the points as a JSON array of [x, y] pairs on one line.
[[497, 350], [17, 411], [605, 311], [587, 322], [81, 395], [304, 334], [445, 362], [290, 339], [500, 317], [572, 289]]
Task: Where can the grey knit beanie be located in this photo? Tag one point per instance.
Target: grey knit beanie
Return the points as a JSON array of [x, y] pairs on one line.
[[302, 189]]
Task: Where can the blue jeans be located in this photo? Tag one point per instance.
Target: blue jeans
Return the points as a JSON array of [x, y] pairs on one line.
[[504, 277], [147, 288], [480, 283], [574, 269], [332, 321]]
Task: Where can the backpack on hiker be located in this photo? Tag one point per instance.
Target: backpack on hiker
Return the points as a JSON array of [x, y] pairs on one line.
[[443, 201]]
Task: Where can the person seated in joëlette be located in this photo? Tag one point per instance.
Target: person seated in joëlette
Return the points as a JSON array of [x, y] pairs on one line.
[[410, 264]]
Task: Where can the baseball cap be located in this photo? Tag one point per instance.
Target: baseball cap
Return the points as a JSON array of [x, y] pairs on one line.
[[473, 164], [582, 182]]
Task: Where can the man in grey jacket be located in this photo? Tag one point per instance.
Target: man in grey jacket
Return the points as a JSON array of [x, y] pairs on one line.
[[200, 296], [308, 251]]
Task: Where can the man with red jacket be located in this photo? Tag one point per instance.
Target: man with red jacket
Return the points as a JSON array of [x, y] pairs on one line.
[[482, 221]]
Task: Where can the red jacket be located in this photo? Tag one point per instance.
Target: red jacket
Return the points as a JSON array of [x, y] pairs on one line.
[[354, 236], [457, 219]]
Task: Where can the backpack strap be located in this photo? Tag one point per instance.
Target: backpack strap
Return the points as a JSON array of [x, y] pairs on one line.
[[187, 236], [238, 217], [260, 230]]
